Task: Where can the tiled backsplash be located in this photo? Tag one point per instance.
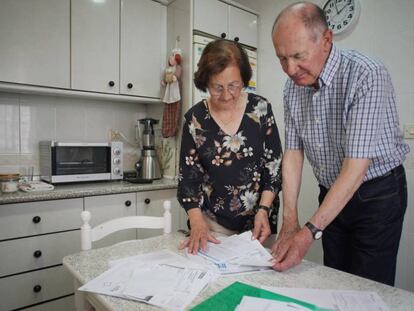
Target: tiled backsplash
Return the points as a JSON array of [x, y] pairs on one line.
[[27, 119]]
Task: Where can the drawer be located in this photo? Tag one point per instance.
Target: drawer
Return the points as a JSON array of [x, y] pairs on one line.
[[63, 304], [37, 252], [34, 287], [25, 219]]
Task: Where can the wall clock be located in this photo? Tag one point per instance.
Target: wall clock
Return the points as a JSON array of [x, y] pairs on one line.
[[341, 15]]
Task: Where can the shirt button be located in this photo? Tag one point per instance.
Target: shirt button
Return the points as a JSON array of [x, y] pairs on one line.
[[317, 120]]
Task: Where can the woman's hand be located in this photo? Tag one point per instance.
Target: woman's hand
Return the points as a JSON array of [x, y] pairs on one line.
[[200, 233], [261, 230]]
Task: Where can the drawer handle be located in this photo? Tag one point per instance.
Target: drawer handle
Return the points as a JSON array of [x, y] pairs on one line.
[[111, 83], [236, 39], [223, 35], [128, 203], [147, 201], [37, 254], [37, 288], [130, 85], [36, 219]]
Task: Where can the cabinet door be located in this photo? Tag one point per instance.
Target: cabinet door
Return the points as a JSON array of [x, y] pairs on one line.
[[107, 207], [150, 203], [95, 45], [142, 33], [243, 25], [211, 16], [34, 42]]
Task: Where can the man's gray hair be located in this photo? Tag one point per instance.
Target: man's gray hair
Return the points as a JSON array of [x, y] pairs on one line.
[[311, 15]]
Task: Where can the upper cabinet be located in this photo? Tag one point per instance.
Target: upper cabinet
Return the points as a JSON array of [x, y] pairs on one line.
[[34, 42], [117, 46], [226, 21], [143, 27], [95, 46]]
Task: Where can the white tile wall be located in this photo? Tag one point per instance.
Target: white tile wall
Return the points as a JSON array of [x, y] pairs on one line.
[[385, 31], [27, 119]]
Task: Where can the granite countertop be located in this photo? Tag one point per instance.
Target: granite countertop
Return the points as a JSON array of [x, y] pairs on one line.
[[79, 190], [89, 264]]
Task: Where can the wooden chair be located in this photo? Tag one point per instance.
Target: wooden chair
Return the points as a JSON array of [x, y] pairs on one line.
[[89, 235]]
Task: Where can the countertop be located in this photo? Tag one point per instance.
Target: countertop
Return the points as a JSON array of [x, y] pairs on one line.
[[79, 190], [87, 265]]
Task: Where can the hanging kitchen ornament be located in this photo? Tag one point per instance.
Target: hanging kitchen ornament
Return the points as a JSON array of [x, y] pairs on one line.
[[172, 96]]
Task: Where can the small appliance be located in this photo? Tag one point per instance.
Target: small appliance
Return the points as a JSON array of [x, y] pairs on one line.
[[148, 167], [63, 162]]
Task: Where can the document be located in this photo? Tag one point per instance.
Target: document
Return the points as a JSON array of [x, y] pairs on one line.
[[148, 278], [339, 300], [234, 255]]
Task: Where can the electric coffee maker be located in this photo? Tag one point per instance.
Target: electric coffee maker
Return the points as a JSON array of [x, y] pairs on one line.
[[148, 167]]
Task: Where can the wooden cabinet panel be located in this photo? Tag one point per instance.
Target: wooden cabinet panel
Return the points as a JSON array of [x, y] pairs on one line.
[[242, 25], [26, 219], [30, 288], [34, 38], [95, 45], [64, 304], [142, 49], [37, 252], [211, 16]]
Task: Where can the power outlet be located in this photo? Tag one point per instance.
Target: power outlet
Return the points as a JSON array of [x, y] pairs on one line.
[[409, 131], [114, 135]]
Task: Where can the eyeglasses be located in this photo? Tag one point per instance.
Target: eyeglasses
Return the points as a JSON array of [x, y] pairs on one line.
[[217, 90]]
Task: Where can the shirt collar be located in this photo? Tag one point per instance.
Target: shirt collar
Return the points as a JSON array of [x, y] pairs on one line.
[[330, 68]]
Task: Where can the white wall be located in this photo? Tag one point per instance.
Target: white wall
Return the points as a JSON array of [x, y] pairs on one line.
[[385, 31], [27, 119]]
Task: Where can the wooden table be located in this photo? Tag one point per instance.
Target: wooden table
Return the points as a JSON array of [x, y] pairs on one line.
[[86, 265]]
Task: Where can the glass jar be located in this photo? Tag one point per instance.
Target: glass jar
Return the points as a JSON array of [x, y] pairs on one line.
[[9, 182]]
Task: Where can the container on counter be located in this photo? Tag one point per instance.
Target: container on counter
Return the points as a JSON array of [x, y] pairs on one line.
[[9, 182]]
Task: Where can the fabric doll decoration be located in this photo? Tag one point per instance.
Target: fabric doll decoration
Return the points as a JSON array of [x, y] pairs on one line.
[[172, 97]]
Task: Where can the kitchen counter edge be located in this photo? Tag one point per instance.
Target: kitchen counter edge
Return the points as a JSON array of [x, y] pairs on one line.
[[80, 190]]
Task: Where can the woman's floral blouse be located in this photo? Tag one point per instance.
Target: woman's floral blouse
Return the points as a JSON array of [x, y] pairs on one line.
[[224, 174]]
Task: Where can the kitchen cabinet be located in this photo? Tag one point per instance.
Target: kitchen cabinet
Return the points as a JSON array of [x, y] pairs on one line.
[[34, 38], [150, 203], [95, 45], [34, 237], [142, 48], [229, 21], [117, 46], [107, 207]]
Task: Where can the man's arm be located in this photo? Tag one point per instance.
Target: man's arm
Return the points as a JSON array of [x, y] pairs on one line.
[[292, 165], [350, 178]]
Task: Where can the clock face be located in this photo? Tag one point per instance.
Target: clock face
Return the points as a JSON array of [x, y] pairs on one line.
[[341, 14]]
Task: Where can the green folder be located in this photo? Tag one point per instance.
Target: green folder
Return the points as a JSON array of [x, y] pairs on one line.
[[228, 298]]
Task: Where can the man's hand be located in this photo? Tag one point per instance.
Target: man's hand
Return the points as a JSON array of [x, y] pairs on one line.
[[289, 252], [199, 234], [261, 230]]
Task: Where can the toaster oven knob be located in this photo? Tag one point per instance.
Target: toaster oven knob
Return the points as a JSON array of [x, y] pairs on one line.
[[117, 151], [117, 160], [117, 171]]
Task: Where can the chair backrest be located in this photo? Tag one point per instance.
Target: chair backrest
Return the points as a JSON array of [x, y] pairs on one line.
[[89, 234]]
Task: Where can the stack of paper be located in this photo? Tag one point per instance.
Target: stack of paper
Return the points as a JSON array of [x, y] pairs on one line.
[[148, 278], [235, 254]]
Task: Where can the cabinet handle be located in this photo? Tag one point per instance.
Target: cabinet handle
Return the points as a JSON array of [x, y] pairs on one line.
[[147, 201], [130, 85], [128, 203], [36, 219], [111, 83], [37, 253], [223, 35], [37, 288], [236, 39]]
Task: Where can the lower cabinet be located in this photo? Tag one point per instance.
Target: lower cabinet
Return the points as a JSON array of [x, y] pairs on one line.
[[35, 236]]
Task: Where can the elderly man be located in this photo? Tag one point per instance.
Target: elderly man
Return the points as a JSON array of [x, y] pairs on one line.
[[340, 111]]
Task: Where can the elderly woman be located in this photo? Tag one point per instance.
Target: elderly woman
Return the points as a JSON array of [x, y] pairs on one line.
[[230, 153]]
